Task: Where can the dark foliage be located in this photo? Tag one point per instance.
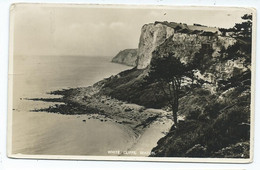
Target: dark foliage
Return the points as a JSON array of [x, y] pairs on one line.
[[169, 72], [209, 127]]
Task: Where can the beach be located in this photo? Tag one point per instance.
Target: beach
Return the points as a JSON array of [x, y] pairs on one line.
[[142, 127]]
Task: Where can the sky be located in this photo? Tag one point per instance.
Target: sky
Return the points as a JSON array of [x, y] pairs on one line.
[[83, 30]]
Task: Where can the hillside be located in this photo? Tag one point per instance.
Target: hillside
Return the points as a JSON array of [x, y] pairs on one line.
[[216, 107], [126, 57]]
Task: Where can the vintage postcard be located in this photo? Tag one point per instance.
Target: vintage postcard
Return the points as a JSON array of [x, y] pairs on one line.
[[131, 82]]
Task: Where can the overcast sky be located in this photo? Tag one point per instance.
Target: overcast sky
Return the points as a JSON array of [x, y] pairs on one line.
[[98, 31]]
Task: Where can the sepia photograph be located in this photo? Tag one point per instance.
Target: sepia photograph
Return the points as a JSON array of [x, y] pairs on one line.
[[131, 82]]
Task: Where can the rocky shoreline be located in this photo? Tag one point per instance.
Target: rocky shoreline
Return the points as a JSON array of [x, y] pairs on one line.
[[90, 101]]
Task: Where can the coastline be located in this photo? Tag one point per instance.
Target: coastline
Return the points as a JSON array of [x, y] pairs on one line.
[[135, 119]]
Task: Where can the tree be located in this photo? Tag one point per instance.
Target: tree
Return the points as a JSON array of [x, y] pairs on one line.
[[244, 30], [240, 51], [242, 48], [168, 72]]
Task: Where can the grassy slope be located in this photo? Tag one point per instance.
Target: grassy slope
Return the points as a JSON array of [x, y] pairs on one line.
[[130, 86]]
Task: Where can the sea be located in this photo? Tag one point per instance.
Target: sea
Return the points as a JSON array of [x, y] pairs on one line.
[[42, 133]]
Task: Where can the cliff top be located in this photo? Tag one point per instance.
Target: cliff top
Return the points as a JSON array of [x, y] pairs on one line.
[[189, 28]]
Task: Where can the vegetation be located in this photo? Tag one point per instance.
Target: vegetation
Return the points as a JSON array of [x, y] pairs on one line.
[[169, 72]]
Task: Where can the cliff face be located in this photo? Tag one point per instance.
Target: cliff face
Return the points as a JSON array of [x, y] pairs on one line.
[[151, 37], [168, 38], [184, 45], [127, 57]]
